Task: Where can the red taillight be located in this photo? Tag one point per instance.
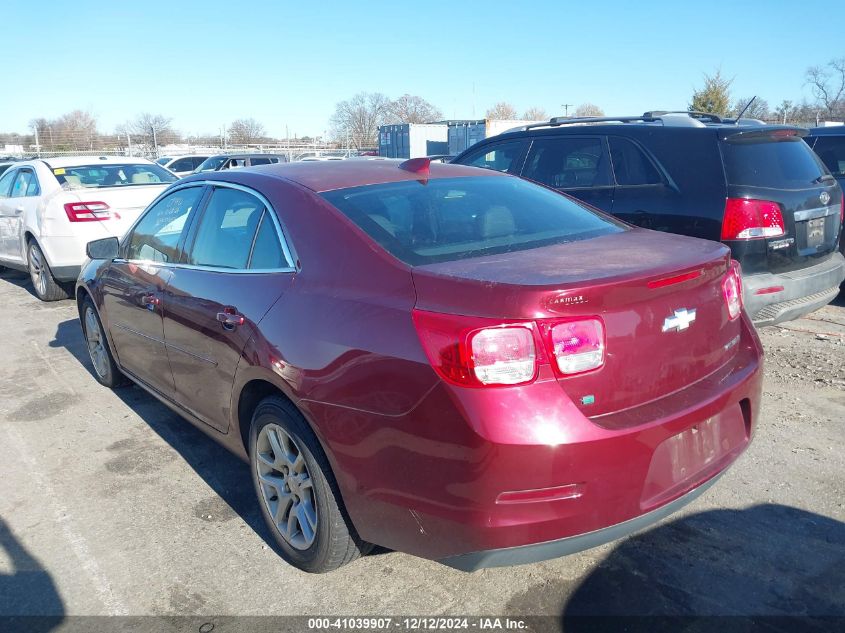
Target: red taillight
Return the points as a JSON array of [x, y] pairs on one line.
[[747, 219], [577, 346], [732, 290], [87, 211], [478, 352]]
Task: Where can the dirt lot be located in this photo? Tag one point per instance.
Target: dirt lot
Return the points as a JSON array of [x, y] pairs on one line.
[[111, 504]]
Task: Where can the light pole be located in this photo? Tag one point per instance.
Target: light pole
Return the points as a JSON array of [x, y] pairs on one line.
[[565, 107]]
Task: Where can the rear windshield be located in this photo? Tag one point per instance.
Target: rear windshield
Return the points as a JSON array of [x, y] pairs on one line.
[[457, 218], [831, 149], [112, 175], [775, 163]]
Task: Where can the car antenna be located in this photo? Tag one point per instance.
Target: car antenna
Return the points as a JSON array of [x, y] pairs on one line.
[[747, 105]]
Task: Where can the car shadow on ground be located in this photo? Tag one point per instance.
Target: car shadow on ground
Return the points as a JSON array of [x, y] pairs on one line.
[[225, 473], [769, 567], [29, 599]]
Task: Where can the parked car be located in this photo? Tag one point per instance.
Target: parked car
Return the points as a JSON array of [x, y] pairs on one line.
[[51, 208], [182, 165], [829, 144], [754, 187], [231, 161], [439, 359]]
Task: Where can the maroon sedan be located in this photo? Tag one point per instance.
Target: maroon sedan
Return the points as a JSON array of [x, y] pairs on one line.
[[442, 360]]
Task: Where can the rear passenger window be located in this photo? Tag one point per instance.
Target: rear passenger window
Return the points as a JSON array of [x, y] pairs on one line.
[[497, 157], [831, 149], [630, 165], [183, 164], [156, 236], [568, 163], [6, 183], [226, 230], [25, 184], [267, 251]]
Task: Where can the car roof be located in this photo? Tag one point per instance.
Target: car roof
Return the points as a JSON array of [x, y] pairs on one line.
[[831, 130], [320, 176], [76, 161], [242, 155]]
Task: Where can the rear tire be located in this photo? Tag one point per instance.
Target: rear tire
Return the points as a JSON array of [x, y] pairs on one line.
[[297, 492], [45, 285], [105, 369]]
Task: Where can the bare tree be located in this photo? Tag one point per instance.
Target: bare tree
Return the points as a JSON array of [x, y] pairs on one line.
[[535, 114], [588, 109], [502, 110], [828, 85], [75, 130], [759, 108], [413, 109], [246, 131], [151, 130], [359, 118]]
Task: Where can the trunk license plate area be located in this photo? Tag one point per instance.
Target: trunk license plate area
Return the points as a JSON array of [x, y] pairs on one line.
[[815, 232]]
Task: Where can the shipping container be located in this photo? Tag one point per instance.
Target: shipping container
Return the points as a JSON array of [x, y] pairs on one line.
[[464, 134], [412, 140]]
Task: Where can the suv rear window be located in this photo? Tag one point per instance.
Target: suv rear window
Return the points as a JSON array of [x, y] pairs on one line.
[[112, 175], [831, 149], [775, 163], [458, 218]]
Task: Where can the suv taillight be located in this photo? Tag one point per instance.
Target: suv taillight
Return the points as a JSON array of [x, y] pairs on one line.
[[732, 290], [478, 352], [747, 219], [87, 211]]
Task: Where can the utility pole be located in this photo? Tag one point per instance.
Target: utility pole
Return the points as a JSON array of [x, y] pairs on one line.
[[565, 107], [129, 143], [37, 146], [155, 142]]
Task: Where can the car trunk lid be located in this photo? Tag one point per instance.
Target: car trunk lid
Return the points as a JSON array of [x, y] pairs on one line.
[[659, 297]]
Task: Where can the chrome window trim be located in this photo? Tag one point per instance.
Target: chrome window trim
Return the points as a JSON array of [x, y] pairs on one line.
[[286, 250]]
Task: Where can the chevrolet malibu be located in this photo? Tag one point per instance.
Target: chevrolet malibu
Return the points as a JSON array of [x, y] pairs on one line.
[[438, 359]]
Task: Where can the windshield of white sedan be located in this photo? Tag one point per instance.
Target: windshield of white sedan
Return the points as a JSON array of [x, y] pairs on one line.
[[112, 175], [424, 222]]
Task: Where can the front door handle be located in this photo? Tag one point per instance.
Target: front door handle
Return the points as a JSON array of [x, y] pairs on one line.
[[229, 318], [150, 301]]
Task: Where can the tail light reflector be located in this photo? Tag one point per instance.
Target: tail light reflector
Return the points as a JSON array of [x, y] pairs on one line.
[[578, 346], [732, 290], [87, 211], [747, 219], [503, 355]]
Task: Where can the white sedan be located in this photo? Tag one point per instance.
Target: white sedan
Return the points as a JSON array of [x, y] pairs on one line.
[[51, 208]]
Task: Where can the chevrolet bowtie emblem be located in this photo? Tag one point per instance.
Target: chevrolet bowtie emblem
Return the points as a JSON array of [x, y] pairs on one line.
[[679, 321]]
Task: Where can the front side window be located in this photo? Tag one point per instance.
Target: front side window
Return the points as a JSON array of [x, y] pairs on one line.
[[112, 175], [183, 164], [630, 165], [498, 157], [226, 230], [457, 218], [6, 183], [156, 237], [568, 162], [831, 149]]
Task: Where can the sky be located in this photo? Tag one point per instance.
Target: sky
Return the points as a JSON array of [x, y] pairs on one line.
[[287, 64]]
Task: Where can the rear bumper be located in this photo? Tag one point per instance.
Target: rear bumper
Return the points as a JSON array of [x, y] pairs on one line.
[[537, 552], [803, 291]]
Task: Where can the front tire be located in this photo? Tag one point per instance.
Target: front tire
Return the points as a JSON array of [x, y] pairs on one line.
[[45, 285], [296, 490], [105, 369]]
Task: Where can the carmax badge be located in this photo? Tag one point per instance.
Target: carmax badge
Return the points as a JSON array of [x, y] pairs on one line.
[[679, 321]]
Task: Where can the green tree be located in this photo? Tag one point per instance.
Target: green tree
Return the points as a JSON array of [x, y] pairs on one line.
[[714, 97]]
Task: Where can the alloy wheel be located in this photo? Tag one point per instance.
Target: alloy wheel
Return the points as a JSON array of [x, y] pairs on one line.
[[36, 270], [286, 486], [96, 344]]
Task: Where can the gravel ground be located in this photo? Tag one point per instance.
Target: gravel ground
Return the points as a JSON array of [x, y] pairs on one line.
[[112, 505]]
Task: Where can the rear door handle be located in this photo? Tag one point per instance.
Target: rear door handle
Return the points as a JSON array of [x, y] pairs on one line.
[[229, 318]]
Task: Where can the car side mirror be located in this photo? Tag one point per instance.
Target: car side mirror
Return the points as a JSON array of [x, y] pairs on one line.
[[106, 248]]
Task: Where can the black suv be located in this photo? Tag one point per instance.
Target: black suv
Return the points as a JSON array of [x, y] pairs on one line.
[[757, 188]]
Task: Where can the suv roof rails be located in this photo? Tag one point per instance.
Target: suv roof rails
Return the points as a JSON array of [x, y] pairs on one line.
[[693, 114]]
